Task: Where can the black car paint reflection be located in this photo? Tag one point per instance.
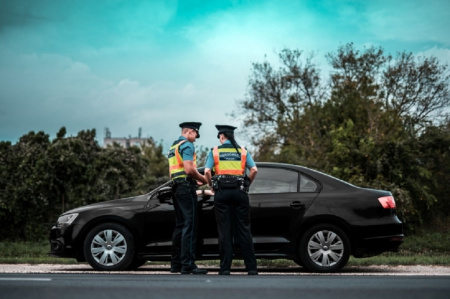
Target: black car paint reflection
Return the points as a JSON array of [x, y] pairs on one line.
[[296, 213]]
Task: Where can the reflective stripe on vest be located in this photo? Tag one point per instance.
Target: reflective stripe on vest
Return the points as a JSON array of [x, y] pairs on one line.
[[228, 162], [176, 166]]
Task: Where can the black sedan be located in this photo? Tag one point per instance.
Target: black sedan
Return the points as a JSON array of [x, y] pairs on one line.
[[296, 213]]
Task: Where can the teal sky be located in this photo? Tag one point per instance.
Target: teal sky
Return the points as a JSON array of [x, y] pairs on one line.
[[125, 64]]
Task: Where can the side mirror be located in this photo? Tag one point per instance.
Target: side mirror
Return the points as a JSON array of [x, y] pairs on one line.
[[165, 195]]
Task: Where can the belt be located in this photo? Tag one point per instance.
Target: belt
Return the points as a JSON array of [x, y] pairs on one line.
[[228, 176], [228, 182]]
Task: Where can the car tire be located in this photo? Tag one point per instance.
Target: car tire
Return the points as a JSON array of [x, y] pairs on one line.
[[324, 248], [109, 247]]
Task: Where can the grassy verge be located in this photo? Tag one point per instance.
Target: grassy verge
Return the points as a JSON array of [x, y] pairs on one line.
[[426, 248], [29, 253]]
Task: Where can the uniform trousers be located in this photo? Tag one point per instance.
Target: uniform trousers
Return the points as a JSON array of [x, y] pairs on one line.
[[184, 236], [232, 210]]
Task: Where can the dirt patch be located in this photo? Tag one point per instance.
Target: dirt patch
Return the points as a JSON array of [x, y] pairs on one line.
[[164, 269]]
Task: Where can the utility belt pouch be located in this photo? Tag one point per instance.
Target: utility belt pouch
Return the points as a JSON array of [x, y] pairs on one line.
[[227, 182]]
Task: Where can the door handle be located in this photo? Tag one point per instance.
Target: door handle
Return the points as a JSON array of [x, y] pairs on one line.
[[297, 205]]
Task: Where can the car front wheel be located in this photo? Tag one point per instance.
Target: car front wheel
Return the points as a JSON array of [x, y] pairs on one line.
[[109, 246], [324, 248]]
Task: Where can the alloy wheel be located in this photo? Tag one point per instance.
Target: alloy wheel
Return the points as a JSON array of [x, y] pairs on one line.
[[325, 248], [108, 247]]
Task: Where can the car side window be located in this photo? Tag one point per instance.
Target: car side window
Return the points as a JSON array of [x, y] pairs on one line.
[[307, 184], [274, 180]]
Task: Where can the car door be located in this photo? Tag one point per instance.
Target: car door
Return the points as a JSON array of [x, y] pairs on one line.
[[279, 197], [159, 222], [208, 244]]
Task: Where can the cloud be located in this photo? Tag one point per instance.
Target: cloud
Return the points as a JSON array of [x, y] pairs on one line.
[[72, 28], [154, 64], [17, 14], [442, 54], [62, 92], [411, 21]]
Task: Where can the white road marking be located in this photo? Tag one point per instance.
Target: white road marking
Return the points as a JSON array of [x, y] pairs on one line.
[[24, 279]]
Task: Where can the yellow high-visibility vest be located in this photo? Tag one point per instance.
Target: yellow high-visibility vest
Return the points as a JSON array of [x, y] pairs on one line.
[[176, 166], [227, 161]]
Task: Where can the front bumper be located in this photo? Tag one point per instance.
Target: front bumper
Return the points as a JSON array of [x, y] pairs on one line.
[[61, 245]]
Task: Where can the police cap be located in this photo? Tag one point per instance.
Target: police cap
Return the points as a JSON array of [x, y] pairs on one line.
[[192, 125], [224, 128]]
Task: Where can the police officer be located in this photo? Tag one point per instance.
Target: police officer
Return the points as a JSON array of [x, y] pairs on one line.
[[231, 203], [184, 174]]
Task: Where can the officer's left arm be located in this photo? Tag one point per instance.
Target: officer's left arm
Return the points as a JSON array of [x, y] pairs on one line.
[[252, 175], [250, 164]]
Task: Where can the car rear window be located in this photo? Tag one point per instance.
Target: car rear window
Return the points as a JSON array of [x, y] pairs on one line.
[[307, 184]]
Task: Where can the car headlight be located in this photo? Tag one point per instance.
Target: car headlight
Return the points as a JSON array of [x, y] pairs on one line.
[[66, 219]]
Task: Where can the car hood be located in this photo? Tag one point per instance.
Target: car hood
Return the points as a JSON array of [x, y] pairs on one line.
[[112, 203]]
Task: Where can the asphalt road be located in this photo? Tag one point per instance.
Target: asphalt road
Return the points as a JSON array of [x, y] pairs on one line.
[[150, 281], [107, 286]]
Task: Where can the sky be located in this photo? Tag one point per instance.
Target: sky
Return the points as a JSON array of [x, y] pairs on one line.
[[152, 64]]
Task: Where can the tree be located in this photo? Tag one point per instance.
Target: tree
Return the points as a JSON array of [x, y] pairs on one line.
[[157, 171], [364, 127], [416, 89], [25, 187], [277, 101], [202, 154], [119, 171], [41, 179], [434, 146], [71, 162], [387, 102]]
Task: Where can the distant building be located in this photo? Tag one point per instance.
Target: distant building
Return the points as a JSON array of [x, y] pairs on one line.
[[125, 141]]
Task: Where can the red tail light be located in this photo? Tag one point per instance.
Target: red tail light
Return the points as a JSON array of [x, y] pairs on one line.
[[387, 202]]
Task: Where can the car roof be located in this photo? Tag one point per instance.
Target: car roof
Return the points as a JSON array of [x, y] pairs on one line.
[[284, 165]]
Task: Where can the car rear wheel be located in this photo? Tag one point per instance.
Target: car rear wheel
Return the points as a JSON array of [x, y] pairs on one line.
[[324, 248], [109, 246]]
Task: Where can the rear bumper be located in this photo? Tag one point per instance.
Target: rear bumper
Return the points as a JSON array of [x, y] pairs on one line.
[[375, 238], [374, 246]]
